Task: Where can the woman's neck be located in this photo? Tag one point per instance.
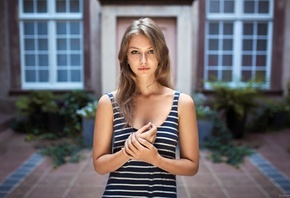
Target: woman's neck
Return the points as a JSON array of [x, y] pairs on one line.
[[148, 88]]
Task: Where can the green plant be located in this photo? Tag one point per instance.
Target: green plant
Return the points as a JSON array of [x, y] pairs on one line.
[[237, 99], [287, 98], [276, 106], [203, 111], [37, 101], [88, 111], [221, 146], [279, 114], [62, 153], [260, 120], [73, 101], [34, 112], [273, 114], [236, 103]]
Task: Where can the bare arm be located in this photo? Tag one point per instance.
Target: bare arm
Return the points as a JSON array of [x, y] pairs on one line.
[[189, 148], [103, 159]]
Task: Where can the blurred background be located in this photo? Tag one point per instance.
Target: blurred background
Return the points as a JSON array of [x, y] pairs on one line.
[[57, 57]]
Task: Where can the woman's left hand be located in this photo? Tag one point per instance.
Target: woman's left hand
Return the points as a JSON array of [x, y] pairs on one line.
[[140, 149]]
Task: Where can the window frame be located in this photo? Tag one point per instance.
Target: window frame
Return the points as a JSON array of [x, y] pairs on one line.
[[237, 18], [52, 17]]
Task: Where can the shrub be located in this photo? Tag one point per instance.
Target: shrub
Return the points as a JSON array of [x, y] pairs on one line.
[[203, 111], [221, 146], [74, 101], [88, 111], [62, 153], [34, 111], [235, 103]]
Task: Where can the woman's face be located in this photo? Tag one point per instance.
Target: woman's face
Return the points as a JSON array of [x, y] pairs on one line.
[[141, 57]]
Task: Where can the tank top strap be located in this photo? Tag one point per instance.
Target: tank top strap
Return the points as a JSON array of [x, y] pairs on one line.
[[114, 103], [176, 97], [175, 102], [111, 96]]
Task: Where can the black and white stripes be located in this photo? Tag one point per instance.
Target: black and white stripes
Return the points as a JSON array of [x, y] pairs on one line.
[[140, 179]]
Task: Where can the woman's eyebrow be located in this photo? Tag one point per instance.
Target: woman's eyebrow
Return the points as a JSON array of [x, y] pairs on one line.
[[133, 47]]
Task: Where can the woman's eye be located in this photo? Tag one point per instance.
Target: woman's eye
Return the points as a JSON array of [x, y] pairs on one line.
[[151, 52], [134, 52]]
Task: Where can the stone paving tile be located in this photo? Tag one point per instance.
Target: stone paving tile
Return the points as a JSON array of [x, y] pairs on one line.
[[86, 179], [213, 180], [181, 191], [201, 180], [206, 192], [222, 168], [48, 191], [86, 192], [202, 166], [232, 180], [245, 192], [14, 151], [61, 180], [30, 181]]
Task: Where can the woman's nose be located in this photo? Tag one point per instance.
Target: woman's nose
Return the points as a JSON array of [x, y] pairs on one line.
[[143, 58]]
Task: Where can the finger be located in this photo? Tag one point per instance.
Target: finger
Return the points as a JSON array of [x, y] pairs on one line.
[[144, 128], [153, 127], [134, 140], [145, 143], [126, 154], [152, 131], [149, 137], [132, 143], [128, 149], [136, 143]]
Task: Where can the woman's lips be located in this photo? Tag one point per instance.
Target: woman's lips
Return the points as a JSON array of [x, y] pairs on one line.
[[143, 68]]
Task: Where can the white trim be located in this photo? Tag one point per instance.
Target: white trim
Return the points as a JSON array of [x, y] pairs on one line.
[[239, 12], [109, 52], [217, 17], [237, 39], [51, 12], [52, 50], [51, 18], [269, 54], [53, 86], [238, 19]]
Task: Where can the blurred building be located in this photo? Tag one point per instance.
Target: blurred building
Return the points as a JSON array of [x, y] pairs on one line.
[[62, 45]]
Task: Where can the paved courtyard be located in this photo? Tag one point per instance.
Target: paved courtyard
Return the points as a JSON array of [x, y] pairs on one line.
[[24, 173]]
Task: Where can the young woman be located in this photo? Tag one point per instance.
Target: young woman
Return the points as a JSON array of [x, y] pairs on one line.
[[144, 120]]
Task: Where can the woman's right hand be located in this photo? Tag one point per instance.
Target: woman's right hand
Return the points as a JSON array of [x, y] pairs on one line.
[[147, 132]]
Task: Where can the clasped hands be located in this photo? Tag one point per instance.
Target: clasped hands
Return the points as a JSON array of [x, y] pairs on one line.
[[139, 145]]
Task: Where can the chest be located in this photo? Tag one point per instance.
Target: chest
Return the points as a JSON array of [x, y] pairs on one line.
[[155, 110]]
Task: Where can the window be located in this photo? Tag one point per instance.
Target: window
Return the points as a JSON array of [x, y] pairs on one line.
[[51, 34], [238, 41]]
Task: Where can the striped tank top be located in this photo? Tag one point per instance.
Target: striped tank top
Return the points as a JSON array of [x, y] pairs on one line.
[[141, 179]]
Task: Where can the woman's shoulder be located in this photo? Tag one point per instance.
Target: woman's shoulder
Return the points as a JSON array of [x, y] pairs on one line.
[[183, 97], [185, 105], [185, 100], [106, 98]]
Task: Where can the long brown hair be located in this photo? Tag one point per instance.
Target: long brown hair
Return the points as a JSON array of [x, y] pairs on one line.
[[127, 87]]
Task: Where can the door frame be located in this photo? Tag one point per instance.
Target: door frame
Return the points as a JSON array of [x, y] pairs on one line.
[[184, 52]]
